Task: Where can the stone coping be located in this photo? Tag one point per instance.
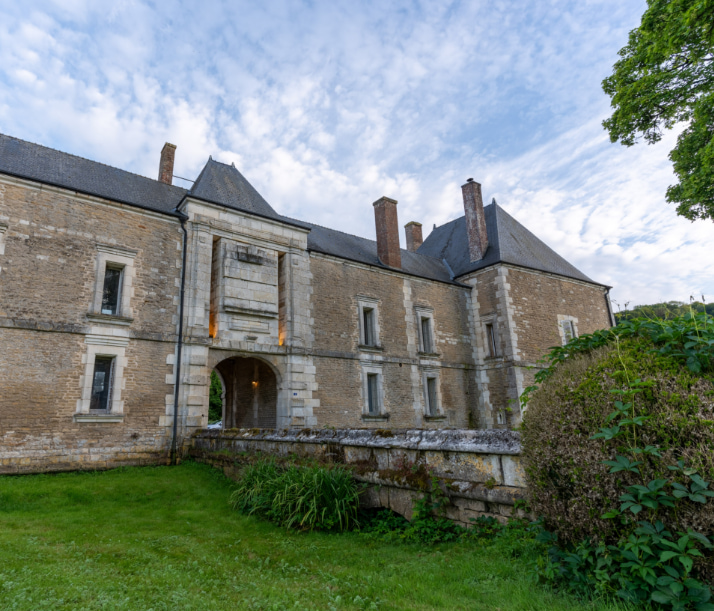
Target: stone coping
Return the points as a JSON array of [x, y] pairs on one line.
[[492, 441]]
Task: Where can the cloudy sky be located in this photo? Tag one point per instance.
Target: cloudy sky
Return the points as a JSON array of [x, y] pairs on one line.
[[327, 105]]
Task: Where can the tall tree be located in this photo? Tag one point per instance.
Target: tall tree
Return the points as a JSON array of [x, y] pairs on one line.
[[666, 76]]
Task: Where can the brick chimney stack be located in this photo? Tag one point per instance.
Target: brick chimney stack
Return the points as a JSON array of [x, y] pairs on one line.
[[166, 166], [385, 218], [414, 238], [475, 220]]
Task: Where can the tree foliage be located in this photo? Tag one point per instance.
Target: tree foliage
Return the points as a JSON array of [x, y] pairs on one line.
[[666, 76], [665, 310]]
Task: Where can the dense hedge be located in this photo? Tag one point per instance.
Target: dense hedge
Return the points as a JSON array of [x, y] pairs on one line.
[[570, 487]]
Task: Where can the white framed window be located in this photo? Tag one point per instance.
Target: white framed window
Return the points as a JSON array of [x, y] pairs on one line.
[[103, 379], [368, 312], [425, 327], [114, 281], [373, 391], [432, 393], [568, 328]]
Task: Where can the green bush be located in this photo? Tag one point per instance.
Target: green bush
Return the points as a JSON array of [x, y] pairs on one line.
[[215, 403], [305, 498], [618, 439]]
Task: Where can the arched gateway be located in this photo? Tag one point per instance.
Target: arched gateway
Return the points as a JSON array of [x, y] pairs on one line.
[[251, 393]]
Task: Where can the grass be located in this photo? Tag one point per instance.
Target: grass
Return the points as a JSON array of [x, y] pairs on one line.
[[165, 538]]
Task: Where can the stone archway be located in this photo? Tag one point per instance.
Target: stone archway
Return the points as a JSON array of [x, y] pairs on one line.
[[251, 393]]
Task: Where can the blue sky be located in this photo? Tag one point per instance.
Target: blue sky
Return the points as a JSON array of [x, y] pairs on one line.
[[325, 106]]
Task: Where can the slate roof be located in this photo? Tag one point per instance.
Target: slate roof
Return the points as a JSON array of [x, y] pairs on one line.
[[362, 250], [443, 256], [508, 242], [46, 165], [222, 184]]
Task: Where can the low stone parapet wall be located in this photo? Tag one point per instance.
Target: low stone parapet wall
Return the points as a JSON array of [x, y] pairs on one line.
[[479, 472]]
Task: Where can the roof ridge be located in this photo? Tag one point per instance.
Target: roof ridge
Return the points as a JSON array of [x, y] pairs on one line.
[[357, 236], [106, 165]]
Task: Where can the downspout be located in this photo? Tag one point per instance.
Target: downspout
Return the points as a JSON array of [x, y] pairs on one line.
[[609, 308], [177, 382]]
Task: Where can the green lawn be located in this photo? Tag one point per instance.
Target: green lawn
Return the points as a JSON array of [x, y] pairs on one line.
[[165, 538]]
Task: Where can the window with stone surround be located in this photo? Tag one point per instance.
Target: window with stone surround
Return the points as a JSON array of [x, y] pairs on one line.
[[491, 340], [3, 231], [101, 383], [489, 330], [372, 394], [568, 328], [111, 294], [114, 282], [103, 379], [368, 313], [425, 320], [432, 394], [373, 391], [432, 405]]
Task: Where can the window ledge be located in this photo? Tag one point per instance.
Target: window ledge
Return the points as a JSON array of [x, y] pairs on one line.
[[99, 417], [436, 418], [366, 348], [375, 417], [429, 355], [110, 319]]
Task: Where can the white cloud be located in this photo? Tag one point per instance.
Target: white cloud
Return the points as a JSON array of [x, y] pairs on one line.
[[327, 106]]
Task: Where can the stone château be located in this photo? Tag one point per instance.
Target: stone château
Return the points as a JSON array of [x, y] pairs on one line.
[[119, 295]]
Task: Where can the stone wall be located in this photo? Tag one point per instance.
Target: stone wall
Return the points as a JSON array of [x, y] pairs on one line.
[[56, 246], [342, 361], [479, 471], [526, 310]]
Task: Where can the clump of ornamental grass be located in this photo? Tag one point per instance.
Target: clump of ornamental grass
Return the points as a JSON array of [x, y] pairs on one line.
[[302, 498]]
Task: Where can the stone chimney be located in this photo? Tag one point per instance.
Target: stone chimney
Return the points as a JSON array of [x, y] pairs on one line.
[[475, 220], [414, 239], [385, 218], [166, 166]]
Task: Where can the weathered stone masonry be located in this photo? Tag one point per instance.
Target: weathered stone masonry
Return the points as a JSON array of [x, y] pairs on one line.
[[307, 327]]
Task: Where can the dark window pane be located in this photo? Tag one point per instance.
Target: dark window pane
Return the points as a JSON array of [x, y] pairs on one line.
[[101, 383], [426, 334], [373, 393], [431, 392], [110, 296]]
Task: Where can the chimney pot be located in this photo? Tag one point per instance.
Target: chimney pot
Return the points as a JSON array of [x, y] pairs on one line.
[[166, 165], [414, 236], [387, 224], [475, 220]]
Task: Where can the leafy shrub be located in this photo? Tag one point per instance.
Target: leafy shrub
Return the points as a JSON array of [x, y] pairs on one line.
[[649, 566], [215, 403], [618, 441], [304, 498]]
